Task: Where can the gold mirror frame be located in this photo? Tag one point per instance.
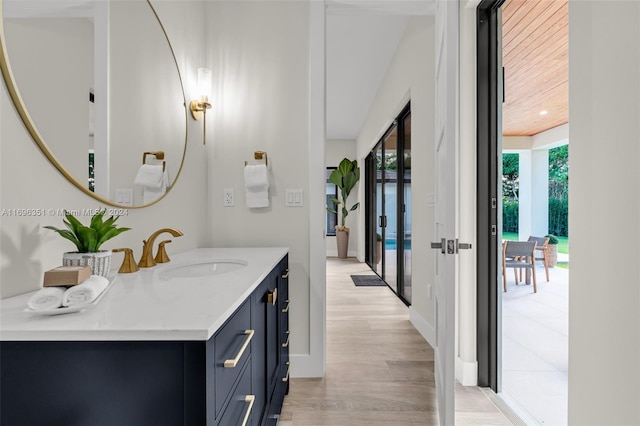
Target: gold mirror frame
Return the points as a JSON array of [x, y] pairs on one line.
[[37, 138]]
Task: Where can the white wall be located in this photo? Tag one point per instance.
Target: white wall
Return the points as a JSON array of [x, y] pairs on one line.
[[604, 293], [27, 180], [335, 151], [259, 56], [411, 77]]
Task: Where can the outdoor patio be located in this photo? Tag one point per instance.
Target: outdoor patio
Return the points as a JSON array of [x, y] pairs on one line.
[[535, 331]]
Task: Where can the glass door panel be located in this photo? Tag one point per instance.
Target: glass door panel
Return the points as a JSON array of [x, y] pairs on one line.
[[406, 244], [377, 265], [390, 191]]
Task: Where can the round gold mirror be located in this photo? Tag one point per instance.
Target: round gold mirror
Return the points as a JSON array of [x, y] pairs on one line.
[[97, 86]]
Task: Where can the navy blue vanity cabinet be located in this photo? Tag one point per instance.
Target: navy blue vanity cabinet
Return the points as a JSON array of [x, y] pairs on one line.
[[231, 356], [278, 346], [232, 379]]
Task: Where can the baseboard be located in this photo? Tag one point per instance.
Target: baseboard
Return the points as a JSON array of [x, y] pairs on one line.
[[466, 372], [305, 366], [424, 328]]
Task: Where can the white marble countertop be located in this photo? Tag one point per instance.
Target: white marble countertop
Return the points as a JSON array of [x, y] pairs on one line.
[[142, 306]]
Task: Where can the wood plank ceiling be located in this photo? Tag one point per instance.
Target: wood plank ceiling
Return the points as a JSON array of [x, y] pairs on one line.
[[535, 58]]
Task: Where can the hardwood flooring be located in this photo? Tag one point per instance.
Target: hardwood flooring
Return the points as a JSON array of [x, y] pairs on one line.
[[379, 368]]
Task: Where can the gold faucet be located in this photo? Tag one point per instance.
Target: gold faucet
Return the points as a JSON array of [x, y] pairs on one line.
[[147, 260]]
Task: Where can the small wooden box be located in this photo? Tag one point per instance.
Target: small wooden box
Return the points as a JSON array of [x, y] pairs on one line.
[[66, 276]]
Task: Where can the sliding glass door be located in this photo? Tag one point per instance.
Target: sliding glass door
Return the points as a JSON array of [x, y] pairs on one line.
[[388, 194]]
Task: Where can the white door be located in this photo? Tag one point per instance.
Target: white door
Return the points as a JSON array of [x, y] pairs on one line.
[[446, 202]]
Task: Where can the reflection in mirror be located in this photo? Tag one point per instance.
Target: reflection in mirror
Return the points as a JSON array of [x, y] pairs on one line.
[[100, 86]]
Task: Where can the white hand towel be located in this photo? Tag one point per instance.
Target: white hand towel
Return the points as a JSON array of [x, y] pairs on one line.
[[85, 292], [256, 177], [46, 298], [256, 184], [257, 199], [150, 176]]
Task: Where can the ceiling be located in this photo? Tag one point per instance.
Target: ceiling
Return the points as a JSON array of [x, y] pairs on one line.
[[362, 37], [535, 59]]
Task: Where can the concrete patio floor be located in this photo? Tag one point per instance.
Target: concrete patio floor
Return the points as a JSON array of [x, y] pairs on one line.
[[535, 332]]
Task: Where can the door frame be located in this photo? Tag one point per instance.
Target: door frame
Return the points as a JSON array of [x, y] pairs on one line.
[[489, 201]]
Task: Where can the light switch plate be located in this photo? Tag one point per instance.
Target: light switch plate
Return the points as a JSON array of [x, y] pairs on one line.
[[293, 197]]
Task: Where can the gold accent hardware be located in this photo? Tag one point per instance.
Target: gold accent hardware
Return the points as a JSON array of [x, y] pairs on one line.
[[258, 156], [199, 108], [161, 256], [286, 378], [285, 344], [147, 260], [128, 262], [272, 296], [286, 308], [286, 275], [250, 399], [231, 363], [159, 156]]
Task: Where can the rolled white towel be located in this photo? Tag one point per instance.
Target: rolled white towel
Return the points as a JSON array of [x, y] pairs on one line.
[[46, 298], [85, 292]]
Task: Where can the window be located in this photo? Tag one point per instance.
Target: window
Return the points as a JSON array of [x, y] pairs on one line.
[[331, 191]]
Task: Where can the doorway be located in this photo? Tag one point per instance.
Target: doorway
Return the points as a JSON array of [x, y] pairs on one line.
[[506, 329], [388, 203]]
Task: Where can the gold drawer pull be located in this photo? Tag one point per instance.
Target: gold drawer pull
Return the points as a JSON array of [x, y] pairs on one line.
[[286, 275], [230, 363], [286, 308], [285, 344], [286, 378], [272, 296], [250, 399]]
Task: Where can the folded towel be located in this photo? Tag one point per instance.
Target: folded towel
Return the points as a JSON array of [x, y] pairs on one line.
[[85, 292], [256, 177], [150, 176], [46, 298], [257, 199], [256, 184]]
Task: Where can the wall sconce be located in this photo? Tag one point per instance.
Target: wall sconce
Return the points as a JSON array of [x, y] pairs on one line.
[[199, 108]]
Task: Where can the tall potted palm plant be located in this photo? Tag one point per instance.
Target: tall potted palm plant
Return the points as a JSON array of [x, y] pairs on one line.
[[345, 177]]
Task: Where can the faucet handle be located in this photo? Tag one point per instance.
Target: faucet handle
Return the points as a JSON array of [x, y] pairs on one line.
[[161, 256], [128, 262]]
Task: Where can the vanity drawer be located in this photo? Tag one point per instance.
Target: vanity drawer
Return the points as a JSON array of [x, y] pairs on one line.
[[231, 351], [241, 405]]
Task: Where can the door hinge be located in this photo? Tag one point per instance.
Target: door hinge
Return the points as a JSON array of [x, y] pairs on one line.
[[494, 203], [494, 230]]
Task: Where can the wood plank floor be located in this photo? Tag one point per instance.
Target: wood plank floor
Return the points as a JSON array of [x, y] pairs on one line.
[[379, 368]]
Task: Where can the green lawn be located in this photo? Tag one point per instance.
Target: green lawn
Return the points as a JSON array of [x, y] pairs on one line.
[[563, 242]]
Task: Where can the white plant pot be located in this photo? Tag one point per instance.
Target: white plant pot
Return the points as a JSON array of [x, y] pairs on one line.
[[99, 262]]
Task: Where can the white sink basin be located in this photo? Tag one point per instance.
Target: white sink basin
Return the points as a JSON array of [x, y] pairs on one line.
[[203, 268]]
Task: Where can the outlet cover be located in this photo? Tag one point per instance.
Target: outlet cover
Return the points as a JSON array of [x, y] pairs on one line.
[[229, 198]]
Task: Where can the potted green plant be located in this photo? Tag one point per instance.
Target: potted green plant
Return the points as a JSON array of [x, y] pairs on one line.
[[345, 177], [552, 250], [88, 240]]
